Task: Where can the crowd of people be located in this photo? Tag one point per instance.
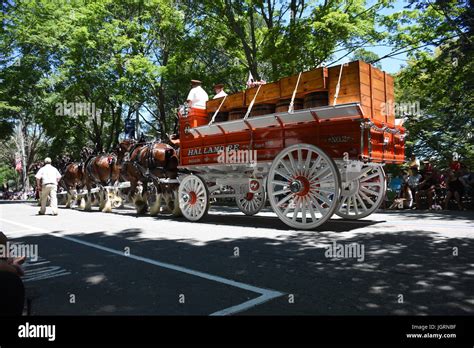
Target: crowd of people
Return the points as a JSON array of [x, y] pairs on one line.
[[422, 185]]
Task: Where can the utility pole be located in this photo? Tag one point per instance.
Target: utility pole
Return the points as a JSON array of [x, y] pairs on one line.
[[24, 170]]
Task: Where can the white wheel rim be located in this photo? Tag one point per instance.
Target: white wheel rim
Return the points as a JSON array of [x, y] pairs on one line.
[[193, 198], [363, 195], [303, 186], [250, 203]]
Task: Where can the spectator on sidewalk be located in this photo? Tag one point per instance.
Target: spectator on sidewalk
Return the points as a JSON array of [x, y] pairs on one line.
[[427, 188], [413, 165], [455, 188]]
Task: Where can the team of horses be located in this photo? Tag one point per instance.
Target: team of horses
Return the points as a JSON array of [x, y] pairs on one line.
[[149, 167]]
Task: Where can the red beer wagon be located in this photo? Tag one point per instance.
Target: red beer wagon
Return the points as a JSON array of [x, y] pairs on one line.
[[314, 144]]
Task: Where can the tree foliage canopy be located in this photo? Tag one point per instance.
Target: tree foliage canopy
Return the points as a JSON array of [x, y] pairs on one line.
[[134, 58]]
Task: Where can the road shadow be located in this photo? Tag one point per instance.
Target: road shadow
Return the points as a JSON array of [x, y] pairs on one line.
[[403, 273]]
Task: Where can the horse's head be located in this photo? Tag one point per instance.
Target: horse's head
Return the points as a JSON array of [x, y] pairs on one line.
[[123, 149]]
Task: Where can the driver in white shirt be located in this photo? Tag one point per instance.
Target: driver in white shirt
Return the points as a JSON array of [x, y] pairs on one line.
[[197, 96]]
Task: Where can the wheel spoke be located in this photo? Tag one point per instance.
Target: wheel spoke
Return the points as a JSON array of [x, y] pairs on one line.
[[285, 212], [321, 197], [311, 211], [325, 189], [284, 164], [283, 175], [319, 175], [300, 161], [278, 182], [367, 198], [371, 184], [292, 162], [361, 201], [307, 163], [297, 208], [314, 167], [276, 193], [324, 180], [303, 209], [366, 190], [284, 199], [365, 178]]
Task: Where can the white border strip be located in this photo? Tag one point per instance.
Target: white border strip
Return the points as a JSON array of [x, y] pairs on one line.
[[266, 294]]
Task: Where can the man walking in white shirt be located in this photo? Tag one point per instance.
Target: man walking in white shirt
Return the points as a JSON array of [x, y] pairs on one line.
[[197, 96], [47, 180]]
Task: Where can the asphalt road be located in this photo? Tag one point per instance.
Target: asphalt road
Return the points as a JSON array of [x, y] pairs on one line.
[[120, 264]]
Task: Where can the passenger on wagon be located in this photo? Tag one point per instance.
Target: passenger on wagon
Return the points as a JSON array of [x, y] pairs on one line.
[[219, 89], [197, 96]]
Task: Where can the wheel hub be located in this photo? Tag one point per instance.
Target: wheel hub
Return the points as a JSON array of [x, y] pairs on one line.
[[300, 186], [351, 188], [190, 198], [295, 186], [249, 196]]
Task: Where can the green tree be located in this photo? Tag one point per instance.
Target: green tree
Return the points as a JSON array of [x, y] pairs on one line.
[[367, 56]]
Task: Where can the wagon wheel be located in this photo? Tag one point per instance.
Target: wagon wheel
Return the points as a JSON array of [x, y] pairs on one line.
[[363, 195], [303, 186], [250, 203], [193, 198]]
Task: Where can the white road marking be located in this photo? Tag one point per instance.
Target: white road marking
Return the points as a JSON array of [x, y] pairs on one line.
[[34, 273], [265, 294]]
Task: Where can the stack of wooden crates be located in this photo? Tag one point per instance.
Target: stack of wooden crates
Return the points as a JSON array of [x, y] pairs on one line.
[[360, 83]]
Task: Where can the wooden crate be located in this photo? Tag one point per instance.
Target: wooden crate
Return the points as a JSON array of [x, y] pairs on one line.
[[311, 81], [268, 94], [233, 101], [364, 84]]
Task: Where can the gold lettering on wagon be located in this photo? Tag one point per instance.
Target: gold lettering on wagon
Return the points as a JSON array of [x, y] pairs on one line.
[[338, 139], [207, 150]]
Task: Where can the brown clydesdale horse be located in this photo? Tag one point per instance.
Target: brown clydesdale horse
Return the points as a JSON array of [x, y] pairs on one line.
[[100, 171], [145, 162], [72, 179]]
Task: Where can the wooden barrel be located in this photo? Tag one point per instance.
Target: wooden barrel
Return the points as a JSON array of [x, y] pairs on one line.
[[262, 109], [282, 105], [221, 116], [313, 100], [237, 114]]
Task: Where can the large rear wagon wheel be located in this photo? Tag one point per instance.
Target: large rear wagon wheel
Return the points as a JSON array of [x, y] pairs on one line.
[[193, 198], [303, 186], [363, 195]]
